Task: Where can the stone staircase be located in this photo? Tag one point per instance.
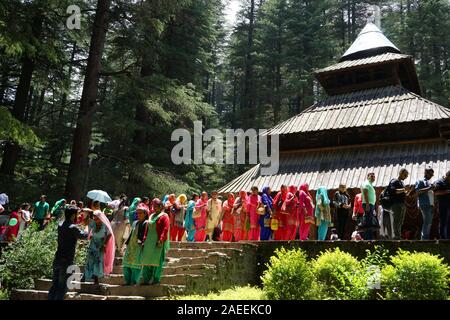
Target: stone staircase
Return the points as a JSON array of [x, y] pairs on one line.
[[190, 268]]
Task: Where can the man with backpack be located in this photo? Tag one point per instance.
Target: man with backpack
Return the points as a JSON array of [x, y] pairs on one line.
[[397, 193]]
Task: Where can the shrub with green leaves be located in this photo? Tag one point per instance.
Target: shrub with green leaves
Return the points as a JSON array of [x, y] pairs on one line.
[[289, 276], [415, 276], [340, 276], [31, 257]]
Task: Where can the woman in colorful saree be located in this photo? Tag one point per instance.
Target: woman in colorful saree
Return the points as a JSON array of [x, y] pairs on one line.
[[292, 221], [306, 208], [322, 213], [120, 224], [178, 210], [200, 222], [282, 218], [156, 245], [132, 258], [130, 214], [189, 220], [227, 219], [264, 220], [240, 212], [253, 203], [213, 211], [101, 250]]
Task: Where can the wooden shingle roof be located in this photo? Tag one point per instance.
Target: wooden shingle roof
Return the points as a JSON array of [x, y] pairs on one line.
[[371, 107], [377, 59], [349, 165]]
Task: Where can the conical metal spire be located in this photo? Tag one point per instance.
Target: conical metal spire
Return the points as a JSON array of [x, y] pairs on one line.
[[370, 41]]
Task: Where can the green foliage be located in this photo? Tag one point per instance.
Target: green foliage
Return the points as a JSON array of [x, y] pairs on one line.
[[415, 276], [289, 276], [236, 293], [4, 295], [340, 276], [13, 130], [378, 257], [31, 257]]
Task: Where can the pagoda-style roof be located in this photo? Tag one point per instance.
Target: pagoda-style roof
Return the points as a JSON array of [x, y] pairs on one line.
[[369, 42], [377, 59], [372, 107], [349, 165]]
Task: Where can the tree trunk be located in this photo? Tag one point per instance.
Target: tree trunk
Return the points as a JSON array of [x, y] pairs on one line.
[[247, 97], [69, 75], [80, 149], [4, 83], [11, 151], [40, 105]]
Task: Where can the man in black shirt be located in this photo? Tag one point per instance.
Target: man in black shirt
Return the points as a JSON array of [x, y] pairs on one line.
[[68, 235], [397, 192], [442, 193]]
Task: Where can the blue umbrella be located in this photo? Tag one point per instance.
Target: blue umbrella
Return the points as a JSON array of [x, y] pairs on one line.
[[99, 195]]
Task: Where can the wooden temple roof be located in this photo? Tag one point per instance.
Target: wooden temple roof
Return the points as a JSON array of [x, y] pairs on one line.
[[349, 165], [372, 107], [377, 59]]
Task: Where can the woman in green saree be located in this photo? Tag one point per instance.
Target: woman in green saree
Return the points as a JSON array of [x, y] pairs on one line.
[[132, 258], [156, 244]]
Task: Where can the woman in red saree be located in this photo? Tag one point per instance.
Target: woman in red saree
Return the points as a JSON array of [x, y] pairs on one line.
[[227, 219], [253, 203], [292, 218], [240, 211], [282, 218], [169, 204], [200, 222], [306, 211]]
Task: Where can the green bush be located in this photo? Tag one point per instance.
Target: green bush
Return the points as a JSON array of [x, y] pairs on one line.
[[4, 295], [289, 276], [415, 276], [340, 276], [31, 257]]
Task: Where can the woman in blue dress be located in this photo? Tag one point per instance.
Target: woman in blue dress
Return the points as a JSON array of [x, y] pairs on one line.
[[100, 253]]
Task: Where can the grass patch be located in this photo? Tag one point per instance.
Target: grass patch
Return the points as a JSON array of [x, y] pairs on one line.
[[236, 293]]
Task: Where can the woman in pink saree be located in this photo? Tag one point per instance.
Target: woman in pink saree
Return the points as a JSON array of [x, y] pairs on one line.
[[282, 218], [200, 222], [253, 203], [306, 211], [292, 221], [240, 211], [101, 251], [227, 219]]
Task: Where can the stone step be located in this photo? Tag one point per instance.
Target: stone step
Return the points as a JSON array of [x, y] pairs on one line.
[[212, 258], [27, 294], [173, 279], [103, 289], [196, 252], [200, 269], [147, 291], [206, 245]]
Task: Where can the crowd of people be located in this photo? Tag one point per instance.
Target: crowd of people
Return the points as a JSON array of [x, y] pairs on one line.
[[259, 214], [141, 230]]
